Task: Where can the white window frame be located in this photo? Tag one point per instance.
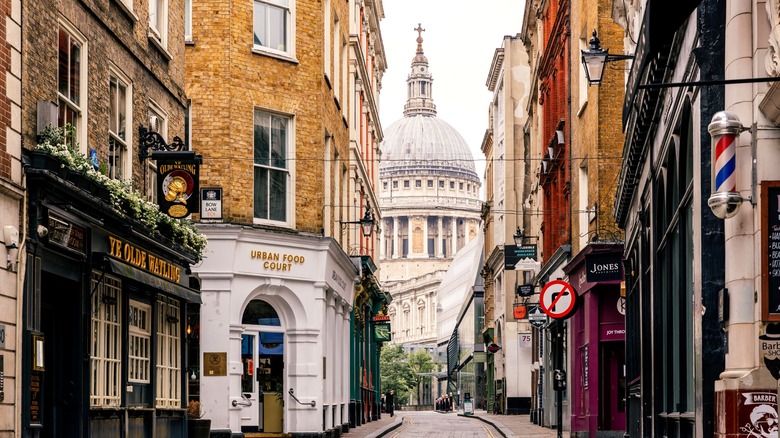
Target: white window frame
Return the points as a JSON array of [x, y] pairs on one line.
[[80, 108], [139, 342], [188, 20], [289, 50], [161, 34], [583, 80], [151, 171], [290, 169], [106, 342], [169, 353], [126, 161]]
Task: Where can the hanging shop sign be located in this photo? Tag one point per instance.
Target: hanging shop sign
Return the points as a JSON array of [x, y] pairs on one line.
[[601, 267], [518, 256], [519, 311], [524, 290], [211, 204], [558, 299], [382, 332], [177, 186], [770, 250], [537, 317], [493, 348]]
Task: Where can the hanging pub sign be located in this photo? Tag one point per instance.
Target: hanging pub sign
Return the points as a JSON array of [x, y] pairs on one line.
[[601, 267], [177, 186], [524, 290], [382, 332]]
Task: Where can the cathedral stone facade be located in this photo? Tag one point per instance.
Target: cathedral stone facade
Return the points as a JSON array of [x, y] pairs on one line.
[[429, 197]]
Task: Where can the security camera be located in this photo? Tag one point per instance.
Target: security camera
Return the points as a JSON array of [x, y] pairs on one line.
[[725, 204], [42, 231]]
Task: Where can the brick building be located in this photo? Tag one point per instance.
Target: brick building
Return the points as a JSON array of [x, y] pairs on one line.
[[284, 110], [106, 276]]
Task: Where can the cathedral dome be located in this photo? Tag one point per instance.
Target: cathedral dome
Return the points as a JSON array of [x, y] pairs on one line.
[[425, 144]]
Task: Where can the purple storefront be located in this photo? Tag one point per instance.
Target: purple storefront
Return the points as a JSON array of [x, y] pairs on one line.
[[597, 342]]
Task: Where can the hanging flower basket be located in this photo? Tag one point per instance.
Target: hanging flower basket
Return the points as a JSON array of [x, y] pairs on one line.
[[46, 161]]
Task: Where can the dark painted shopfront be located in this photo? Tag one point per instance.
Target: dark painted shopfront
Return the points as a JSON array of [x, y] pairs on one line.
[[105, 317], [597, 336]]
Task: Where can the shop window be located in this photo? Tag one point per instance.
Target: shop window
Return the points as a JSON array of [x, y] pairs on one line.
[[168, 354], [139, 343], [272, 29], [71, 84], [273, 144], [106, 342], [119, 98]]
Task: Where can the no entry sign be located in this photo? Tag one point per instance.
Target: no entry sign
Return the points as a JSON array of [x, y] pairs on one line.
[[558, 299]]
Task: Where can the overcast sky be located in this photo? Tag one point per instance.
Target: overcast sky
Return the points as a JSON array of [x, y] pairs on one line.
[[460, 39]]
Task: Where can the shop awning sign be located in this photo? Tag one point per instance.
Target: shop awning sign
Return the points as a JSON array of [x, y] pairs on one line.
[[558, 299], [519, 257]]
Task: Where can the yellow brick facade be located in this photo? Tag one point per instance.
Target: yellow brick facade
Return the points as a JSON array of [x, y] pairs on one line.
[[227, 80]]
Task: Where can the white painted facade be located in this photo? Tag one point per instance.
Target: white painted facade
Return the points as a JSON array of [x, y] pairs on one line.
[[309, 282]]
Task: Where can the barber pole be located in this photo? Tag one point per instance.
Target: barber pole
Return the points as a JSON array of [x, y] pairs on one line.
[[724, 132], [725, 162]]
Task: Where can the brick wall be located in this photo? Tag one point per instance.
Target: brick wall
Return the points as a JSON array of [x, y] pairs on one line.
[[227, 81]]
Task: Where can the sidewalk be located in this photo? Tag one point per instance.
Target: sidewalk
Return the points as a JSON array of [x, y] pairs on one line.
[[376, 428], [515, 425]]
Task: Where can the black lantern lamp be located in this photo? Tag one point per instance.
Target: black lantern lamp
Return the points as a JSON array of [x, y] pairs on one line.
[[366, 222], [595, 59], [519, 236]]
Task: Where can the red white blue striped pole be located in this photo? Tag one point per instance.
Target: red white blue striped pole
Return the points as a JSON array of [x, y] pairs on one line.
[[724, 132]]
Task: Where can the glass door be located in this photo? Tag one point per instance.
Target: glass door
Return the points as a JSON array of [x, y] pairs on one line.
[[251, 416]]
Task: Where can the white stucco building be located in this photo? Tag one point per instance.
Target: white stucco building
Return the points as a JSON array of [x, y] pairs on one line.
[[429, 198]]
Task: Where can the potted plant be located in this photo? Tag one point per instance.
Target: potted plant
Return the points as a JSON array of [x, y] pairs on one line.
[[197, 426]]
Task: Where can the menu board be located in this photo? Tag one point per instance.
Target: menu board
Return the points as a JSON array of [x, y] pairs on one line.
[[36, 402], [770, 250]]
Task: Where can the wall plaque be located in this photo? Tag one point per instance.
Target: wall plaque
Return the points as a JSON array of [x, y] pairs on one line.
[[66, 234], [770, 250], [214, 364]]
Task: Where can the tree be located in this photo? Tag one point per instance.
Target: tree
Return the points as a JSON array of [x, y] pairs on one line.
[[420, 361], [395, 373]]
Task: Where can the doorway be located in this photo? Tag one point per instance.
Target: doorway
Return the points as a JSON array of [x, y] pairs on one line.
[[262, 380], [61, 356], [612, 397]]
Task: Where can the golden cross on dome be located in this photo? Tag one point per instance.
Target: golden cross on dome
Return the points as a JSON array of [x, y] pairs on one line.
[[419, 30]]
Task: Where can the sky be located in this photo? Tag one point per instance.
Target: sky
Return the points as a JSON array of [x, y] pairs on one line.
[[460, 39]]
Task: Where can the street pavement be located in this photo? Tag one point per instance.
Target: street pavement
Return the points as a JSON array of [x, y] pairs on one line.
[[408, 424]]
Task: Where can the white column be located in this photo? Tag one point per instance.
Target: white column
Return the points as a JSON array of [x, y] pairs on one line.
[[454, 226], [396, 222], [425, 236], [439, 240], [342, 351], [329, 341], [383, 242], [347, 364]]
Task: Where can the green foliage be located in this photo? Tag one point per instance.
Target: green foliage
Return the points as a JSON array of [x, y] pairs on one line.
[[420, 361], [395, 373], [54, 141]]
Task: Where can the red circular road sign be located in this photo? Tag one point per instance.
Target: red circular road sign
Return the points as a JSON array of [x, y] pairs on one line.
[[558, 299]]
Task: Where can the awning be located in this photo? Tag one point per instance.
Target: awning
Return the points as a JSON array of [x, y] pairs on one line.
[[168, 287]]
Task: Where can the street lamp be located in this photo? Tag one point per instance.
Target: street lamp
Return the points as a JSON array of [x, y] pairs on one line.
[[519, 237], [366, 222], [595, 59]]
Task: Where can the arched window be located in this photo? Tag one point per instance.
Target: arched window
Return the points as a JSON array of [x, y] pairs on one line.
[[258, 312]]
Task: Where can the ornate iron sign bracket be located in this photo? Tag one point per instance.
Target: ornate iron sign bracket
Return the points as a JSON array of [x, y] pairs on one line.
[[148, 139]]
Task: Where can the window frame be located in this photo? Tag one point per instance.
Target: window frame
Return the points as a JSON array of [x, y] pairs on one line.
[[106, 364], [290, 169], [126, 143], [81, 107], [160, 35], [168, 366], [289, 50], [151, 171], [188, 21], [139, 333]]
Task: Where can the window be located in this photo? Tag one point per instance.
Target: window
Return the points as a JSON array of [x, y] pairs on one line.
[[430, 183], [441, 184], [417, 183], [158, 20], [395, 184], [106, 347], [139, 343], [168, 353], [272, 20], [452, 184], [384, 185], [119, 98], [460, 186], [406, 183], [158, 122], [71, 85], [583, 80], [272, 175], [187, 20]]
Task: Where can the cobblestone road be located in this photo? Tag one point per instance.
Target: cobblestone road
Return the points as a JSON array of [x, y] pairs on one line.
[[435, 425]]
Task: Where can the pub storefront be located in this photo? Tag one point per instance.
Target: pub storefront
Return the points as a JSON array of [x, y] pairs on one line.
[[104, 316]]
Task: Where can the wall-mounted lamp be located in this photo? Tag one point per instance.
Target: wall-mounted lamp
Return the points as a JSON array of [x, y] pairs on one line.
[[595, 59], [724, 133], [11, 240], [366, 223], [519, 237]]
